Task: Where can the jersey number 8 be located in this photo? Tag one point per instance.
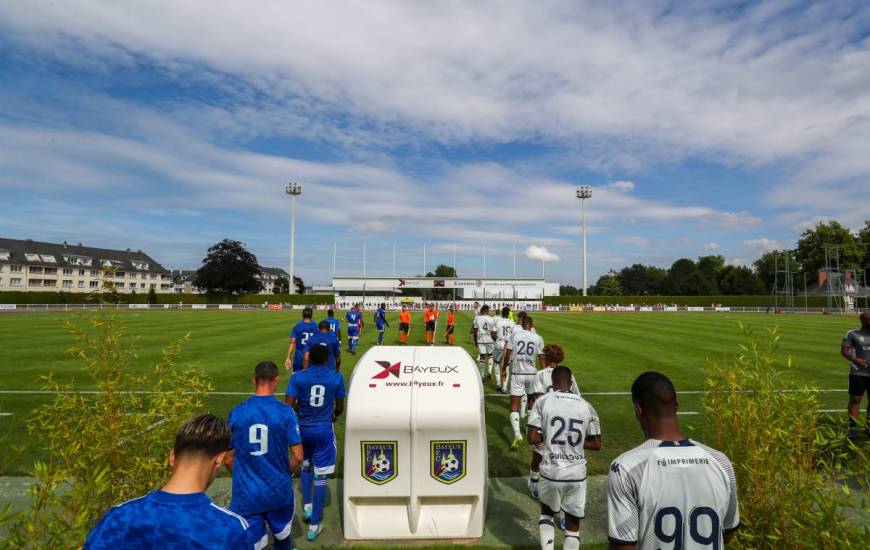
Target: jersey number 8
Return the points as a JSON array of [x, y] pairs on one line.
[[258, 434], [676, 536], [317, 397]]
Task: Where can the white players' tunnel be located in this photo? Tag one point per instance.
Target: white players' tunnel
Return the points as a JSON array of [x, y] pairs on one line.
[[415, 461]]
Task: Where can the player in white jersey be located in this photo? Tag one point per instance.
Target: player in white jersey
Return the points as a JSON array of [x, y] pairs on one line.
[[523, 354], [504, 327], [505, 369], [483, 331], [553, 356], [670, 491], [565, 424]]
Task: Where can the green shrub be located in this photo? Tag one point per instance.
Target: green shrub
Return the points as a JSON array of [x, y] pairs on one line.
[[701, 301], [793, 470], [106, 447]]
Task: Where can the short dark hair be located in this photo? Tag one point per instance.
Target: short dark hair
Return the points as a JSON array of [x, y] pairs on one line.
[[307, 313], [484, 308], [528, 321], [265, 371], [323, 325], [329, 313], [505, 311], [319, 355], [205, 435], [655, 393], [522, 315], [561, 375]]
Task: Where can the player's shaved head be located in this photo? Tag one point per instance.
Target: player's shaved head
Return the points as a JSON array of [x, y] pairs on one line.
[[323, 326], [562, 378], [318, 355], [655, 393], [203, 436], [505, 311], [330, 313], [265, 372], [865, 319]]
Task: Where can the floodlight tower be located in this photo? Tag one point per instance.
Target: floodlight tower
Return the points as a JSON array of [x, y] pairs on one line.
[[294, 190], [584, 192]]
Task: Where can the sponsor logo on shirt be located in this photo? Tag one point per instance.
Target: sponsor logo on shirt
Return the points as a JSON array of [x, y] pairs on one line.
[[447, 461], [379, 461]]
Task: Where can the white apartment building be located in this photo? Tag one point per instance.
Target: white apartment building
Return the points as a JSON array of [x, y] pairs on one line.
[[183, 280], [33, 266]]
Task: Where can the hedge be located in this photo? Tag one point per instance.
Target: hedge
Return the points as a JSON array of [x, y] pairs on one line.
[[12, 297], [705, 301]]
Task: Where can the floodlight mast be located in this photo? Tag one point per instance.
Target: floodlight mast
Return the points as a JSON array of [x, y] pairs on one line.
[[584, 192], [294, 190]]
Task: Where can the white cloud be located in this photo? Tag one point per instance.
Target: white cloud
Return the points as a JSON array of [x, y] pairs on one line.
[[623, 186], [739, 262], [763, 244], [541, 253], [632, 240], [711, 246]]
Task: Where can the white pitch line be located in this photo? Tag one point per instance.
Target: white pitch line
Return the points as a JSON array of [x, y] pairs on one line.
[[6, 414]]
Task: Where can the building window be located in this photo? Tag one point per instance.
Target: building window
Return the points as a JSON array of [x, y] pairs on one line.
[[94, 284], [49, 259], [32, 269], [4, 254], [81, 284], [31, 257], [144, 276], [94, 273], [51, 271], [67, 284], [153, 275], [153, 286], [119, 285], [15, 281], [81, 272], [46, 282], [120, 274], [15, 269], [67, 271]]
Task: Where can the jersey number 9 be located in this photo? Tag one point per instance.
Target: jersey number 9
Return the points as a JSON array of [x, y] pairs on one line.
[[258, 434]]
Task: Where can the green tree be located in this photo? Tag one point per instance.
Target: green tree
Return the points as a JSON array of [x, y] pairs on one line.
[[769, 262], [445, 271], [709, 268], [281, 286], [229, 269], [152, 296], [107, 445], [642, 280], [810, 252], [864, 241], [607, 285], [677, 283], [739, 280], [568, 290]]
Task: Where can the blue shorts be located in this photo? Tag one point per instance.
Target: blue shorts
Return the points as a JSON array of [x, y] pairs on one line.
[[381, 328], [280, 521], [352, 332], [318, 449]]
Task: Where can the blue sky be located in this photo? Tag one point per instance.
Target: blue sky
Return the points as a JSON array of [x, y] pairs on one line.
[[168, 125]]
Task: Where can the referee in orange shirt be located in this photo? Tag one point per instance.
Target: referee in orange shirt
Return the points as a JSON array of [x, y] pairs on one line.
[[430, 317], [404, 324], [451, 325]]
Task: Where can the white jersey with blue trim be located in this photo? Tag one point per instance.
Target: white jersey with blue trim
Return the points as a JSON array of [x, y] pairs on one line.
[[544, 381], [565, 420], [671, 494]]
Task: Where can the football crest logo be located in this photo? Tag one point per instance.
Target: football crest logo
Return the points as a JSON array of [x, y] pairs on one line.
[[447, 461], [379, 461]]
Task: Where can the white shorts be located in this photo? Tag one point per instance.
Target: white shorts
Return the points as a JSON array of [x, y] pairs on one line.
[[485, 349], [522, 384], [569, 496], [498, 352]]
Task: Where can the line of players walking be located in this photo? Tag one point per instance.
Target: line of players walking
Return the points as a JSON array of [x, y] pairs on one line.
[[670, 490]]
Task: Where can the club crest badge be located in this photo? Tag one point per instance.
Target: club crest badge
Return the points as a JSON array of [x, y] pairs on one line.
[[447, 461], [379, 461]]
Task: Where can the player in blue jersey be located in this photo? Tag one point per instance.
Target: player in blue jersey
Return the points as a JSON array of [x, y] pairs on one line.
[[303, 330], [354, 322], [179, 515], [381, 322], [325, 338], [265, 432], [334, 324], [318, 395]]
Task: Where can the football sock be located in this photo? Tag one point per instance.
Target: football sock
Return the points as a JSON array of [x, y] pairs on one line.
[[523, 404], [284, 544], [547, 531], [319, 499], [305, 479], [515, 424], [380, 337], [572, 540], [451, 339], [489, 365]]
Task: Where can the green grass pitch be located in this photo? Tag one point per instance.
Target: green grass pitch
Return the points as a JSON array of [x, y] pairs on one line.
[[605, 351]]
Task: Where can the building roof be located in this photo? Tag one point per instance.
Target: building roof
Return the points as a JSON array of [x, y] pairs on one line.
[[29, 252], [274, 272]]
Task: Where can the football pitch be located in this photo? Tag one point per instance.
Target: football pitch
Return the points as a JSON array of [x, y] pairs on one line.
[[606, 351]]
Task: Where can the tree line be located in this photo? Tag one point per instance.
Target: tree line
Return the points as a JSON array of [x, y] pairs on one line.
[[229, 269], [709, 276]]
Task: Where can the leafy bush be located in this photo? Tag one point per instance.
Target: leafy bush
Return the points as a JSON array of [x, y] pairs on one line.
[[107, 446], [794, 472], [703, 301]]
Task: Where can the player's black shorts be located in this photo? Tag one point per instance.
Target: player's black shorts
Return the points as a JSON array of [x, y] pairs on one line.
[[859, 385], [430, 326], [404, 327], [450, 329]]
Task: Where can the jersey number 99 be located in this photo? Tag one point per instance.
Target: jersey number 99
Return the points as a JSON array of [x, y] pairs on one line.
[[258, 434], [675, 536]]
